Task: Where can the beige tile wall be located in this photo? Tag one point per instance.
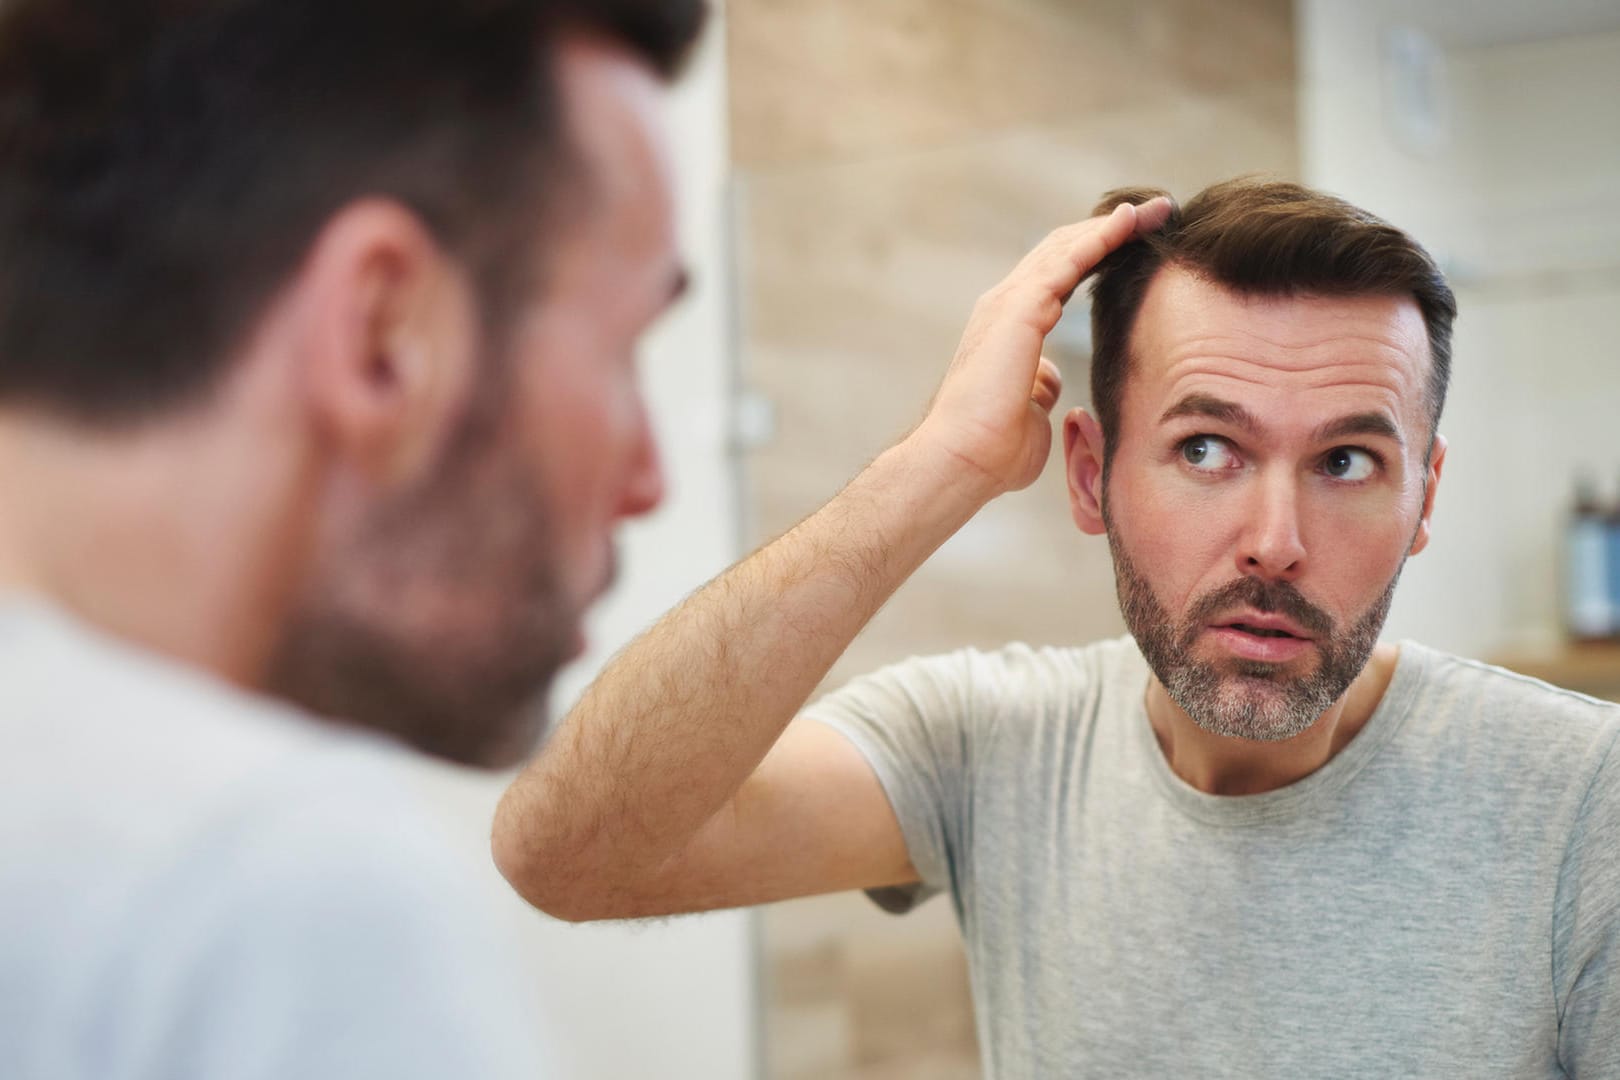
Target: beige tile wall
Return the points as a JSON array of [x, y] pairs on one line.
[[893, 160]]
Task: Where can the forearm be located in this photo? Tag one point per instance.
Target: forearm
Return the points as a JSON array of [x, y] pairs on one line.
[[677, 722], [650, 797]]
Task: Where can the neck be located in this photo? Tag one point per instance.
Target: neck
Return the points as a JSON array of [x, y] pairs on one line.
[[168, 537], [1221, 765]]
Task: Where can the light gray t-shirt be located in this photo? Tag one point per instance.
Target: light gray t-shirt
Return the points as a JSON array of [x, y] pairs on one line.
[[1442, 899], [198, 884]]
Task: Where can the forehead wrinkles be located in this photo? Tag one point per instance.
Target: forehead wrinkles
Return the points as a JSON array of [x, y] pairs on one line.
[[1295, 347], [1371, 379], [1294, 405], [1389, 380], [1191, 334], [1290, 335]]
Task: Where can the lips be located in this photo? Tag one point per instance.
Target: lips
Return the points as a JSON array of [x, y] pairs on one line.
[[1264, 626], [1262, 638]]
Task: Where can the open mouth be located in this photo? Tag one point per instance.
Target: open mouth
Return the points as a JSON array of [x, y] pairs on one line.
[[1262, 636], [1260, 631]]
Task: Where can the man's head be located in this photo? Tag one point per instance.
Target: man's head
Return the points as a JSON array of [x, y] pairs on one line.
[[1268, 374], [413, 244]]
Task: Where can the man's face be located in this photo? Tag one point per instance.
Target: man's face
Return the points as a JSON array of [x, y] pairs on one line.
[[1268, 484], [445, 611]]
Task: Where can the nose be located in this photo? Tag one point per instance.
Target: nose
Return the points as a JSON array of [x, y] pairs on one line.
[[644, 487], [1271, 546]]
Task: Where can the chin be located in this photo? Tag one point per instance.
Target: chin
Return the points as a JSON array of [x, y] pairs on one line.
[[482, 707]]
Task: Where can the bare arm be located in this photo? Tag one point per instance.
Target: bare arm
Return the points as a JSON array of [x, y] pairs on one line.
[[661, 791]]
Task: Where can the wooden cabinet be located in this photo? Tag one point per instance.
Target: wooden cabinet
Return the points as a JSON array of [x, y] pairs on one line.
[[1591, 668]]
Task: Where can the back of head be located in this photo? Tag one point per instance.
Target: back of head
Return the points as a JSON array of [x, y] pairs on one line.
[[1262, 238], [165, 164]]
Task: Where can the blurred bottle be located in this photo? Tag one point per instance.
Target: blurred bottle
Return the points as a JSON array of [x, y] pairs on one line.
[[1588, 596]]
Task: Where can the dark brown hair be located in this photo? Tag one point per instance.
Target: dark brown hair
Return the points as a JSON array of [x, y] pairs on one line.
[[1261, 238], [165, 164]]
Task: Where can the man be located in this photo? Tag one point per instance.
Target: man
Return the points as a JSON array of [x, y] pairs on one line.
[[1252, 841], [317, 325]]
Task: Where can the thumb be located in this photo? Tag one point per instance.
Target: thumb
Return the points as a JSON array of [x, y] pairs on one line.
[[1048, 385]]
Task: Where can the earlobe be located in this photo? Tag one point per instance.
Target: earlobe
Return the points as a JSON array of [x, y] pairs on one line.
[[1083, 457]]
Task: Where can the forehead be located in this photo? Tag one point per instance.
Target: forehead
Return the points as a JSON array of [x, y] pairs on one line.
[[622, 213], [1306, 355]]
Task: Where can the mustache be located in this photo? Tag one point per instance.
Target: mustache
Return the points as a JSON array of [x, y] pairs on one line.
[[1269, 597]]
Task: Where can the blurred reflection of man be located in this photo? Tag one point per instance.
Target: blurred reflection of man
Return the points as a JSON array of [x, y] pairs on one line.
[[316, 336], [1248, 840]]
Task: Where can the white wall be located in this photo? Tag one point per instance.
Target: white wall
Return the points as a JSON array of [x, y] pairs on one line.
[[675, 1000], [1513, 187]]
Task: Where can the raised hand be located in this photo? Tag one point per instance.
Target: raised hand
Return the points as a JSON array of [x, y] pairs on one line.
[[656, 795], [990, 416]]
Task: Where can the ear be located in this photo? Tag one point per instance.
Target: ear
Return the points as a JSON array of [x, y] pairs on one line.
[[1083, 457], [387, 352], [1437, 459]]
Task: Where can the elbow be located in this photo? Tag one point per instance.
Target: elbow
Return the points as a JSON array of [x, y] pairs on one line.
[[521, 862], [546, 882]]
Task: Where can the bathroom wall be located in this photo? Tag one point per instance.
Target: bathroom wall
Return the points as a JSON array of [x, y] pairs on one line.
[[892, 161]]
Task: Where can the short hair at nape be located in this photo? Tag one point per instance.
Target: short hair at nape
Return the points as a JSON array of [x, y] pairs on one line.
[[1262, 237], [166, 164]]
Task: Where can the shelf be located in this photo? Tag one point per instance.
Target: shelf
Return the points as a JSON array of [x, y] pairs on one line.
[[1591, 668]]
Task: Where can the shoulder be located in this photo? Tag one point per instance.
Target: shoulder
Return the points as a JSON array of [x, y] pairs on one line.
[[971, 694], [1011, 671], [1098, 663], [332, 933], [1454, 690], [340, 859], [1060, 682], [1503, 736], [122, 748], [126, 777], [228, 884]]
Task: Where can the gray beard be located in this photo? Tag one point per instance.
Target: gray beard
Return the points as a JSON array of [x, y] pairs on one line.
[[1247, 699]]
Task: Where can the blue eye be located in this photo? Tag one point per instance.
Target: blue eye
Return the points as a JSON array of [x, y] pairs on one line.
[[1207, 453], [1349, 463]]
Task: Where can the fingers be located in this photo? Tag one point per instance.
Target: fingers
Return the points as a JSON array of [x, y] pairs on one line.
[[1045, 279], [1153, 214], [982, 413], [1057, 263], [1048, 385]]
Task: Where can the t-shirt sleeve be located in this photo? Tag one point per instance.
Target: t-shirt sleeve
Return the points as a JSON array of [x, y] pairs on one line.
[[1586, 932], [913, 723], [339, 940]]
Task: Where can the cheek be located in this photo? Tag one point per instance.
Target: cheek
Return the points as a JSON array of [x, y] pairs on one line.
[[1358, 546], [582, 423], [553, 428], [1178, 544]]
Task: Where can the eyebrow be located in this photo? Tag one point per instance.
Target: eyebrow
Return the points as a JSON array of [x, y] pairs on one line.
[[1373, 424], [1212, 408]]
